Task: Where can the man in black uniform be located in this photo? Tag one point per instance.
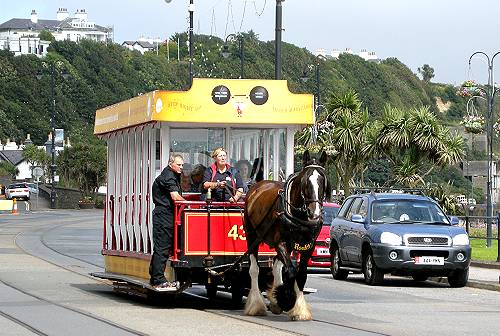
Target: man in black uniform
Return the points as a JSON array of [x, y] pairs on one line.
[[166, 190]]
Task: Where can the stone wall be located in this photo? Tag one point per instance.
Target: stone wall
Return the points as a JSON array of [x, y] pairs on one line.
[[65, 198]]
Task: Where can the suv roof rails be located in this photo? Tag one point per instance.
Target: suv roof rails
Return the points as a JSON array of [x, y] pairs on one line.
[[373, 190]]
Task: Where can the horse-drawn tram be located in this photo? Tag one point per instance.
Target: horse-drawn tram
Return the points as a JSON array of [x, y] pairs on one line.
[[255, 120]]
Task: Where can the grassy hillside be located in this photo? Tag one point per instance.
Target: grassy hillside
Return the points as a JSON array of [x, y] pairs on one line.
[[102, 74]]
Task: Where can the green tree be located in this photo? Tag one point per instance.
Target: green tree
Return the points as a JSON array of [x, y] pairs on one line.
[[416, 143], [427, 72], [83, 166], [36, 156], [8, 169], [45, 35]]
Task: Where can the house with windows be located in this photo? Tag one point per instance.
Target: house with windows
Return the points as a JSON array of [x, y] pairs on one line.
[[21, 35]]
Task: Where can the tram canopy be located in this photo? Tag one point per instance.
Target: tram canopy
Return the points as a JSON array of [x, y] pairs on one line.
[[212, 101]]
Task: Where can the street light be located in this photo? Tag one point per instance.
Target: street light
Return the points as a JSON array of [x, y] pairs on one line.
[[305, 77], [226, 53], [490, 97], [277, 40], [52, 65], [191, 14]]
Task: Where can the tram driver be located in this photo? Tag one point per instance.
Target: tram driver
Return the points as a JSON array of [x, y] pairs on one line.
[[166, 189], [225, 181]]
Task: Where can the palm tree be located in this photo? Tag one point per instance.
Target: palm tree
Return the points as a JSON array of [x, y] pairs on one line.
[[416, 144], [349, 133]]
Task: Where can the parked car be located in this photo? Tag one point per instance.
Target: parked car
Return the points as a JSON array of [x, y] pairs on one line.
[[401, 234], [33, 187], [17, 191], [321, 253]]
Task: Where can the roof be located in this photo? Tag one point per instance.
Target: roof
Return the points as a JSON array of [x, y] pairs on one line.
[[12, 156], [145, 44], [389, 196], [46, 25], [213, 101]]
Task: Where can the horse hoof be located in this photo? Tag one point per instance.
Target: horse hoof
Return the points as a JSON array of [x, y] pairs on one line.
[[275, 309], [301, 318]]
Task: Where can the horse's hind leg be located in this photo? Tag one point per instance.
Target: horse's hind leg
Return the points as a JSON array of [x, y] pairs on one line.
[[301, 311], [255, 301], [277, 281]]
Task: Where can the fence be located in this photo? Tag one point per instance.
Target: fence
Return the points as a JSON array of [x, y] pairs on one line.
[[476, 227]]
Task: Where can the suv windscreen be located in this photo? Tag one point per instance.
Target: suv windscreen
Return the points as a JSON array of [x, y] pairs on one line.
[[409, 211]]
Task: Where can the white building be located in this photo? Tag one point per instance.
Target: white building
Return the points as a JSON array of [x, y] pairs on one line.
[[21, 35], [366, 55], [143, 44]]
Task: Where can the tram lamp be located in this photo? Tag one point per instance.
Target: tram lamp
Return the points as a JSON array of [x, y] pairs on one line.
[[226, 53], [53, 71]]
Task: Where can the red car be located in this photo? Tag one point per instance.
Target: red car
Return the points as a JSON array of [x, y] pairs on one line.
[[321, 254]]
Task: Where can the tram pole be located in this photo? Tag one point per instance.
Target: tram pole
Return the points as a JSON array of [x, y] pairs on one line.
[[209, 260]]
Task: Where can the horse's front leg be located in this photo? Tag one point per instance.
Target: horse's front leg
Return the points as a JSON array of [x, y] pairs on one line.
[[301, 311], [284, 294], [277, 281], [255, 301]]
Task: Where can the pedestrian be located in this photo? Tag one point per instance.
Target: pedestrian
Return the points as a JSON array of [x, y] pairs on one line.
[[166, 189], [220, 177]]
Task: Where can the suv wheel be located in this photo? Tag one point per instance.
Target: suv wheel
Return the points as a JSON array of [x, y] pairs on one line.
[[459, 278], [373, 274], [335, 264], [419, 277]]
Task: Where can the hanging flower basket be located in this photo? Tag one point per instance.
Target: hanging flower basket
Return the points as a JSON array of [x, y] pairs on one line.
[[496, 128], [473, 124], [470, 89]]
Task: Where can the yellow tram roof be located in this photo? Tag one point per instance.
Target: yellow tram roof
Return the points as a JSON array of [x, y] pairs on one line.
[[217, 101]]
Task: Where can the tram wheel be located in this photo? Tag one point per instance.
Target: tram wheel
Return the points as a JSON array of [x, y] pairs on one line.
[[236, 296]]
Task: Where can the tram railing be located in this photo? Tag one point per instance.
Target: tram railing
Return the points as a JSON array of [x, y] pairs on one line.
[[476, 227]]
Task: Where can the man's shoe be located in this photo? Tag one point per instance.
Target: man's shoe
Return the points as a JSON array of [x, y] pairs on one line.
[[167, 286]]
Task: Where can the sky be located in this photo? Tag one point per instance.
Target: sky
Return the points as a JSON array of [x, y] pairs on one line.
[[441, 33]]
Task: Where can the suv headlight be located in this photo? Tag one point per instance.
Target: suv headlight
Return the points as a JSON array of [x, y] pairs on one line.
[[390, 238], [461, 239]]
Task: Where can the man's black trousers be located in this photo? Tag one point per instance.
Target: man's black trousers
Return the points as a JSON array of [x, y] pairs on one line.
[[163, 231]]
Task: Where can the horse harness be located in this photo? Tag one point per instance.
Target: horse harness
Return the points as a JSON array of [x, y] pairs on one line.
[[302, 233]]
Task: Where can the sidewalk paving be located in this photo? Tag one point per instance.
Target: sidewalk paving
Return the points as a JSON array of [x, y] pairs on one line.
[[484, 275]]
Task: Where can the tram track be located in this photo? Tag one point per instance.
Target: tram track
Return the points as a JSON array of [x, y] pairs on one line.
[[43, 235]]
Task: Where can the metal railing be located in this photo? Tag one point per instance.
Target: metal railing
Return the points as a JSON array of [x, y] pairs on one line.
[[477, 225]]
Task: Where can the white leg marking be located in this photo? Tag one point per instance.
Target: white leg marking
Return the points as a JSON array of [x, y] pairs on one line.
[[255, 301], [301, 311], [278, 280]]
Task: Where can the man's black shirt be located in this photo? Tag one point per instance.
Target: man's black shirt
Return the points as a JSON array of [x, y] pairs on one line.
[[168, 181]]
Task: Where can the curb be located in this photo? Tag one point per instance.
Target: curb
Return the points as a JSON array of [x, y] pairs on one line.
[[486, 264]]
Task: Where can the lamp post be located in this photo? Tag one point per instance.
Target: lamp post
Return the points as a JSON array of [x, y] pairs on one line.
[[305, 78], [490, 97], [226, 53], [52, 72], [277, 40], [191, 15]]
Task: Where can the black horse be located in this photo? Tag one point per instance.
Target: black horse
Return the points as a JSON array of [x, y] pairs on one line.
[[287, 217]]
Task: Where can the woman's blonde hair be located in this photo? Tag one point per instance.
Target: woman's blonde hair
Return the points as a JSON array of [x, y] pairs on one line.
[[217, 151]]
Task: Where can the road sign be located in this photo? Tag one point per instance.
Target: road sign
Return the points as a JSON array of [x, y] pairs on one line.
[[37, 172]]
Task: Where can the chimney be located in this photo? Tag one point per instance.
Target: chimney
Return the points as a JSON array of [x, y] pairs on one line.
[[28, 140], [81, 14], [62, 14], [34, 16]]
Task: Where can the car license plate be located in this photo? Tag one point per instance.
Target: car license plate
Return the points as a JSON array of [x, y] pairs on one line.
[[323, 251], [429, 260]]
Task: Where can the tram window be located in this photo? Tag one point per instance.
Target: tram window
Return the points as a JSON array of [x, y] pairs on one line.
[[195, 146]]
